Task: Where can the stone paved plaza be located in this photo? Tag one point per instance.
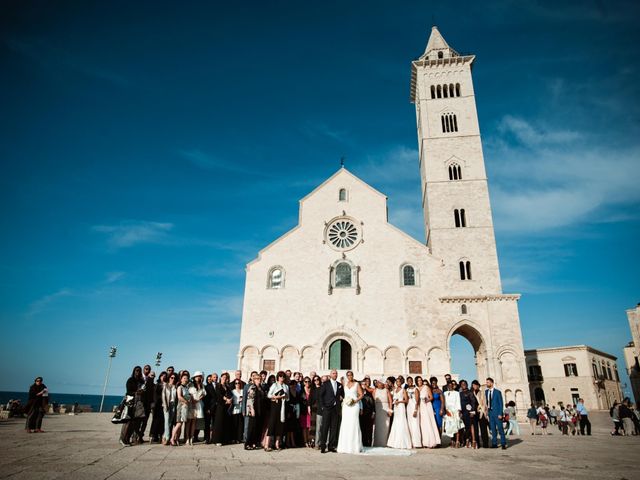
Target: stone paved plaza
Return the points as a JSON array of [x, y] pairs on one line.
[[86, 447]]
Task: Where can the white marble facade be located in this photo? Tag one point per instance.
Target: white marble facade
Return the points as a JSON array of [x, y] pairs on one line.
[[346, 289]]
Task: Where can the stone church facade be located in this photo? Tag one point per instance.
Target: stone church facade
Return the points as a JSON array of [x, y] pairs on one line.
[[346, 289]]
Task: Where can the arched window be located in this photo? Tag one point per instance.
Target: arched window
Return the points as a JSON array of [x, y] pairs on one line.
[[433, 91], [465, 270], [440, 55], [449, 122], [457, 89], [445, 91], [342, 195], [343, 275], [439, 91], [452, 92], [455, 172], [463, 218], [408, 276], [463, 309], [456, 217], [276, 278]]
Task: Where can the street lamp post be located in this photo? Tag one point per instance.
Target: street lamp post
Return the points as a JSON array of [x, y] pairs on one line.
[[112, 353], [158, 358]]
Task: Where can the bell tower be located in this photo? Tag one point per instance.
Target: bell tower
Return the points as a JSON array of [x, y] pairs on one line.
[[455, 195]]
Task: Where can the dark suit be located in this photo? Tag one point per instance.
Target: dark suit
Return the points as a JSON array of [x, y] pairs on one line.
[[330, 402], [495, 408], [209, 409]]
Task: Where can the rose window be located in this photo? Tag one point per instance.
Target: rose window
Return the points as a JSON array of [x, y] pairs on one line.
[[343, 234]]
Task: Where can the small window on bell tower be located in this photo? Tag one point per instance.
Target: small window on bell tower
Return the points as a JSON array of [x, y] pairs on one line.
[[342, 195], [440, 55]]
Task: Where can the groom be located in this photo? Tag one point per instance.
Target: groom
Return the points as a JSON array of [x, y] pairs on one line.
[[331, 395]]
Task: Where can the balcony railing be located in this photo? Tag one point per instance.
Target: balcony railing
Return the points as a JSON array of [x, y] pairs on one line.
[[537, 377]]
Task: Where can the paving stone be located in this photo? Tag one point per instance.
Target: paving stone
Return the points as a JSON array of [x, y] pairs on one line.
[[85, 447]]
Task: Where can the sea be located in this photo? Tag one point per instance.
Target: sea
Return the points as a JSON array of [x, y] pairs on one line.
[[110, 401]]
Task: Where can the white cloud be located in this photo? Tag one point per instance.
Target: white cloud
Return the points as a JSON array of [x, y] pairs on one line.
[[128, 234], [551, 181], [45, 302], [113, 277], [55, 59], [532, 136]]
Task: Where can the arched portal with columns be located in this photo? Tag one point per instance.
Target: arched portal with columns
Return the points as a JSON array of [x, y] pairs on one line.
[[471, 333]]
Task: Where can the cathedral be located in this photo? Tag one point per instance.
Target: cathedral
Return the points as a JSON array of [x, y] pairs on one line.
[[345, 289]]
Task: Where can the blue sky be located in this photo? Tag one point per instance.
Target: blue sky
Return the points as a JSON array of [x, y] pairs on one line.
[[149, 150]]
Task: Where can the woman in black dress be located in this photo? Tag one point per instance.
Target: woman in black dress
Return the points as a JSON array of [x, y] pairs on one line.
[[222, 422], [136, 411], [157, 422], [254, 400], [36, 405], [292, 408], [278, 395]]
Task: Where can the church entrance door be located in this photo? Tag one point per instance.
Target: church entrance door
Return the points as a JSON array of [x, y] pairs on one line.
[[340, 355]]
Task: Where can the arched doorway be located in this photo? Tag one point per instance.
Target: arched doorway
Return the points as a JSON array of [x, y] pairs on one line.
[[340, 355], [538, 395], [467, 352]]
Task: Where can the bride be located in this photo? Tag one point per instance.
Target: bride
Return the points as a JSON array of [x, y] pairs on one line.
[[350, 438]]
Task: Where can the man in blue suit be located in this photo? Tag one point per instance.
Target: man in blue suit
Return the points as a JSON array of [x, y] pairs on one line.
[[495, 407]]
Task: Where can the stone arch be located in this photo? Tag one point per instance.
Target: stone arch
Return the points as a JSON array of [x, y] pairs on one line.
[[270, 354], [520, 401], [414, 355], [509, 366], [310, 359], [471, 332], [508, 396], [393, 361], [290, 358], [249, 359], [437, 362], [372, 361], [351, 336]]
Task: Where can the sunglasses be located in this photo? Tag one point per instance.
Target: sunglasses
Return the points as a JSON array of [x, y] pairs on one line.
[[307, 381]]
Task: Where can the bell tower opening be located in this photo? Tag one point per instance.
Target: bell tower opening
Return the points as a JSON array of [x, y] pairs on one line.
[[340, 355]]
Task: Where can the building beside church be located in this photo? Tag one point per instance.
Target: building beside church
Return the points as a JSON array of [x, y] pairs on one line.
[[632, 351], [561, 375], [346, 289]]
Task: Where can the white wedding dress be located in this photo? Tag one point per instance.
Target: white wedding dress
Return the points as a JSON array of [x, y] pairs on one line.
[[350, 437]]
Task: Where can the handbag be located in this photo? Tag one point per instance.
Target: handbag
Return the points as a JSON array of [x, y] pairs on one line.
[[122, 413]]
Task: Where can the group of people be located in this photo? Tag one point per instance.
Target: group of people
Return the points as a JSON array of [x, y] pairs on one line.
[[626, 418], [291, 410], [566, 418]]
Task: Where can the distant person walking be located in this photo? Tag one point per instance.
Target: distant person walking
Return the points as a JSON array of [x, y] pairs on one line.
[[614, 412], [513, 419], [583, 417], [36, 405], [532, 415], [626, 417]]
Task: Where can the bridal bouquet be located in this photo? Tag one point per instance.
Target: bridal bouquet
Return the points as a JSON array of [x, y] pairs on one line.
[[350, 402]]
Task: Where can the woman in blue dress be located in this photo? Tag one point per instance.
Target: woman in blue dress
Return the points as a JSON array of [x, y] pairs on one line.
[[437, 401]]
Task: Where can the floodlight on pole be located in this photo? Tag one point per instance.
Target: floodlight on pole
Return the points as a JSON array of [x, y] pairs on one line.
[[158, 358], [112, 354]]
